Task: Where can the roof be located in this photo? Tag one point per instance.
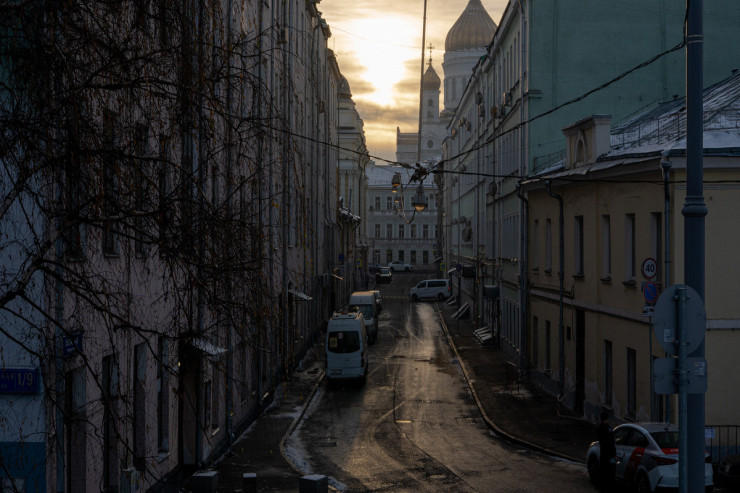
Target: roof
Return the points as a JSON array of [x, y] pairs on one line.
[[431, 80], [663, 127], [473, 30]]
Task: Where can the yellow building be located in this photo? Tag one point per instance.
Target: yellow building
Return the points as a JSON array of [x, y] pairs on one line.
[[610, 195]]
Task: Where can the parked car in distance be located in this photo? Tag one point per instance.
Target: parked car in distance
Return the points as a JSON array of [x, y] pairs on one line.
[[373, 268], [384, 275], [378, 300], [397, 265], [438, 289], [365, 302], [346, 347], [728, 472], [647, 457]]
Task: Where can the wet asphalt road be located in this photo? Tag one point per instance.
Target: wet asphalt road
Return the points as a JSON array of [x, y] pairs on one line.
[[414, 425]]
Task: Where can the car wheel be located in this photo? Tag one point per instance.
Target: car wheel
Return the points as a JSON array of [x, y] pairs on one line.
[[642, 485], [593, 471], [441, 297], [414, 297]]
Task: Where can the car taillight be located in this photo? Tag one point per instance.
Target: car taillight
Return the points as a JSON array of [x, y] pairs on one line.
[[664, 461]]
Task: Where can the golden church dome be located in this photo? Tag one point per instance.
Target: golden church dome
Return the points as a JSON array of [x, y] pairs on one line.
[[473, 30]]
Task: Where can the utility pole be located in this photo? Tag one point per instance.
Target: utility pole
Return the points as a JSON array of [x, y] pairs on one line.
[[694, 212]]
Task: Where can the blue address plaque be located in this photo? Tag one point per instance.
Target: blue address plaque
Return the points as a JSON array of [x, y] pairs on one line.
[[19, 381]]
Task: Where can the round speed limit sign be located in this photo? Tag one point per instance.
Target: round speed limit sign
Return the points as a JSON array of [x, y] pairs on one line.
[[649, 268]]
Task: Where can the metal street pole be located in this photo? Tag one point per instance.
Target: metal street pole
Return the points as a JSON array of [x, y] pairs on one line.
[[694, 212]]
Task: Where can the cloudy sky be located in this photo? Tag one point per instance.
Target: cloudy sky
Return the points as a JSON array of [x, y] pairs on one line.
[[378, 47]]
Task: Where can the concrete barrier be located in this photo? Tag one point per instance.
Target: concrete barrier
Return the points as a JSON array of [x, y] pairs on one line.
[[204, 482], [314, 483], [249, 482]]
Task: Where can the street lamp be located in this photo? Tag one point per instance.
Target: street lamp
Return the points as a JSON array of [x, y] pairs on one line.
[[419, 201], [396, 182]]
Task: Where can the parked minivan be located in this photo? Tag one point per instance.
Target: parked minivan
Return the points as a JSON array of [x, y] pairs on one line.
[[431, 288], [364, 301], [346, 347]]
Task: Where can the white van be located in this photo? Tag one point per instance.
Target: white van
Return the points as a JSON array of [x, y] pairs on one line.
[[346, 347], [431, 288], [365, 302]]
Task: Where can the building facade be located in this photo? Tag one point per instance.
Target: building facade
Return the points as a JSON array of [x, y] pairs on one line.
[[542, 72], [395, 230], [170, 238], [622, 191]]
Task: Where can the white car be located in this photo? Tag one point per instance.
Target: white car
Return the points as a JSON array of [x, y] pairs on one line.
[[397, 265], [647, 457]]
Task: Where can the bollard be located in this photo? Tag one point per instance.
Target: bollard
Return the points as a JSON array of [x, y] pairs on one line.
[[204, 482], [249, 482], [314, 483]]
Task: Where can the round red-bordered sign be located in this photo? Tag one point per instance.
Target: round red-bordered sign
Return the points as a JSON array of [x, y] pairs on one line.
[[649, 268]]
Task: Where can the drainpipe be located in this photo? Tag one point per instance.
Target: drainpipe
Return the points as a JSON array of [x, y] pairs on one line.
[[561, 355], [524, 239], [665, 165], [230, 324]]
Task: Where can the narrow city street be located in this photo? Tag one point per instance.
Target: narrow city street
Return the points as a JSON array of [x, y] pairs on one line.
[[414, 426]]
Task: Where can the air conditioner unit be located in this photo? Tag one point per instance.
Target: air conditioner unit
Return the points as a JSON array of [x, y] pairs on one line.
[[130, 480]]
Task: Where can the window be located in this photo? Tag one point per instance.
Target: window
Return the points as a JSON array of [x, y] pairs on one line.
[[401, 231], [165, 212], [535, 342], [402, 255], [377, 202], [548, 347], [207, 402], [629, 248], [163, 396], [413, 257], [578, 246], [436, 231], [631, 383], [139, 421], [425, 231], [110, 191], [608, 373], [377, 230], [425, 257], [548, 246], [388, 255], [140, 194], [389, 202], [389, 231], [75, 429], [535, 245], [110, 419], [413, 230], [606, 248]]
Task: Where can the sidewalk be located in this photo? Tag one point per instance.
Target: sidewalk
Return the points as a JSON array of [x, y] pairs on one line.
[[260, 449], [521, 413]]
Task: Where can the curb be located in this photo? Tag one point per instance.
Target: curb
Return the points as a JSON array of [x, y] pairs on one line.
[[297, 420], [495, 428]]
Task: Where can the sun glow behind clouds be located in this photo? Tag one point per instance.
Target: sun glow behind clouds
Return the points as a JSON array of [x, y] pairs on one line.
[[383, 46]]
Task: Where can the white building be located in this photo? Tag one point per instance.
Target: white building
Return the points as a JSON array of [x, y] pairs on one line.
[[395, 230]]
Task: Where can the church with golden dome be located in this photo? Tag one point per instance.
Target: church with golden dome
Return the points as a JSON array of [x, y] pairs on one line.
[[465, 43]]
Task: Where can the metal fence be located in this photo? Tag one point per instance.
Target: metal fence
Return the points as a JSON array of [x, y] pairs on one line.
[[722, 441]]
